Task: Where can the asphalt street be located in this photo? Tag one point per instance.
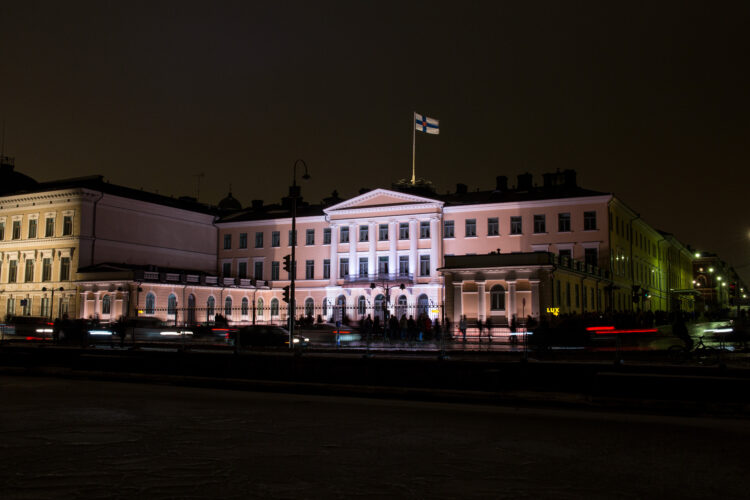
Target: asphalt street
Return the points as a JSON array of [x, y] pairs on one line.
[[87, 439]]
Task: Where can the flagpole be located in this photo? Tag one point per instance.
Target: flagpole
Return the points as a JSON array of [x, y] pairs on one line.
[[413, 145]]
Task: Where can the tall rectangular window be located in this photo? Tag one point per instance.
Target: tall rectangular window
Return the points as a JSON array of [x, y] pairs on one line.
[[46, 269], [591, 256], [343, 267], [32, 228], [29, 274], [363, 233], [275, 270], [49, 227], [242, 270], [563, 222], [493, 226], [403, 265], [226, 268], [578, 297], [540, 223], [471, 228], [243, 240], [565, 252], [67, 225], [259, 239], [227, 241], [424, 265], [309, 269], [327, 236], [258, 272], [589, 221], [12, 271], [383, 265], [2, 231], [310, 237], [567, 294], [326, 268], [403, 231], [292, 237], [16, 230], [516, 226], [424, 229], [344, 234], [276, 239], [363, 263], [64, 268], [449, 229], [383, 232]]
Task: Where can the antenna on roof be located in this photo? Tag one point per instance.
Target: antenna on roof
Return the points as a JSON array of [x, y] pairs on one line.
[[200, 177]]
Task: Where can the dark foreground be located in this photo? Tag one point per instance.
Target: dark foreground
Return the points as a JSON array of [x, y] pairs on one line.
[[87, 439]]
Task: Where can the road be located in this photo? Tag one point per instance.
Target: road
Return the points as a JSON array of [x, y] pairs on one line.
[[87, 439]]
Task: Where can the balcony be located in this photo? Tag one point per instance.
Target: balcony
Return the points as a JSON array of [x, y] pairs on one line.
[[378, 278]]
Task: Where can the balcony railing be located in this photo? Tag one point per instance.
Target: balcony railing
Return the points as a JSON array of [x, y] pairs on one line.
[[379, 277]]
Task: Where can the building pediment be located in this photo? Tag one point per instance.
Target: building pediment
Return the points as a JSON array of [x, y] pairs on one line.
[[383, 200]]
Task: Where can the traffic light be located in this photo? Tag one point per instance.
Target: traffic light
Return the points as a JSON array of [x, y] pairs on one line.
[[285, 296], [646, 294], [287, 263]]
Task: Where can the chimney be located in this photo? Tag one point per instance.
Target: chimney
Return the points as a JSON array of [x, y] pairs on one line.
[[501, 183], [524, 182], [257, 204], [462, 189], [548, 180], [570, 178]]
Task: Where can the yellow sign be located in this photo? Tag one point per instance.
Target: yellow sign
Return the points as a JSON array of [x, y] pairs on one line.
[[435, 311], [554, 310]]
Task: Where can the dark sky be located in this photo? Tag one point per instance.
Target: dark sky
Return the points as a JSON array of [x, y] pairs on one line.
[[647, 100]]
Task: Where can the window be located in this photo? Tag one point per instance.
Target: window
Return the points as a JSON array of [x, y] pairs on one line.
[[344, 234], [46, 269], [363, 266], [361, 305], [44, 307], [150, 303], [363, 233], [424, 265], [32, 228], [210, 306], [424, 229], [49, 227], [228, 307], [516, 226], [274, 307], [309, 269], [567, 294], [383, 232], [540, 224], [29, 274], [27, 306], [471, 228], [565, 252], [242, 270], [578, 296], [11, 307], [493, 226], [327, 236], [172, 304], [258, 271], [403, 231], [292, 238], [309, 307], [448, 229], [326, 269], [67, 225], [497, 298], [226, 268], [227, 241], [259, 239], [245, 305], [243, 240], [275, 239], [563, 222], [2, 231], [64, 268], [403, 265], [12, 271], [310, 237], [275, 270], [344, 267], [591, 256], [16, 229], [383, 265], [589, 221]]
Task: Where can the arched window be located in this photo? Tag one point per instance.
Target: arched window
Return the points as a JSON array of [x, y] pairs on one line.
[[497, 298], [401, 306], [379, 307], [274, 307], [324, 306], [340, 308], [259, 311], [309, 307], [228, 307], [150, 303], [361, 305], [172, 304], [423, 304], [191, 309], [106, 304], [245, 306], [210, 307]]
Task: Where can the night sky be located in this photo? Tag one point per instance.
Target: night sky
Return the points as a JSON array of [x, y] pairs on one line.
[[649, 101]]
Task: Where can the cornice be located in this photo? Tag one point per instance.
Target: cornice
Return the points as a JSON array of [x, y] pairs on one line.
[[555, 202]]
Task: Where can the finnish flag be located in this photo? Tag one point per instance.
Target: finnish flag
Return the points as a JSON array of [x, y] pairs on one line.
[[426, 124]]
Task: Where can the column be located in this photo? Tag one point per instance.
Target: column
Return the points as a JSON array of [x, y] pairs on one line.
[[334, 254], [481, 300], [393, 253], [353, 264], [535, 299], [372, 237], [511, 301], [434, 247], [457, 302], [413, 238]]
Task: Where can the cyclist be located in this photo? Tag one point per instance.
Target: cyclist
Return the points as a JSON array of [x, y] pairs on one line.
[[681, 332]]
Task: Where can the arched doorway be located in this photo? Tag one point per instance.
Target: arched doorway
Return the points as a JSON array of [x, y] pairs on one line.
[[340, 312], [401, 308], [379, 311], [423, 305], [191, 309]]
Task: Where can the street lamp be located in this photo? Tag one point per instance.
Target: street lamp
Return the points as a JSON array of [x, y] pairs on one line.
[[292, 301], [52, 300]]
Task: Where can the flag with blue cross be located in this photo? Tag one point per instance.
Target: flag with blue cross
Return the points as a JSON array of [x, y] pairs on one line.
[[426, 124]]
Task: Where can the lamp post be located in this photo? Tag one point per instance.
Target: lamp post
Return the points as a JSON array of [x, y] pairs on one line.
[[387, 289], [292, 301], [52, 299]]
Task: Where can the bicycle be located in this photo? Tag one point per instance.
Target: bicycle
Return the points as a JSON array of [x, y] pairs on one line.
[[701, 353]]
